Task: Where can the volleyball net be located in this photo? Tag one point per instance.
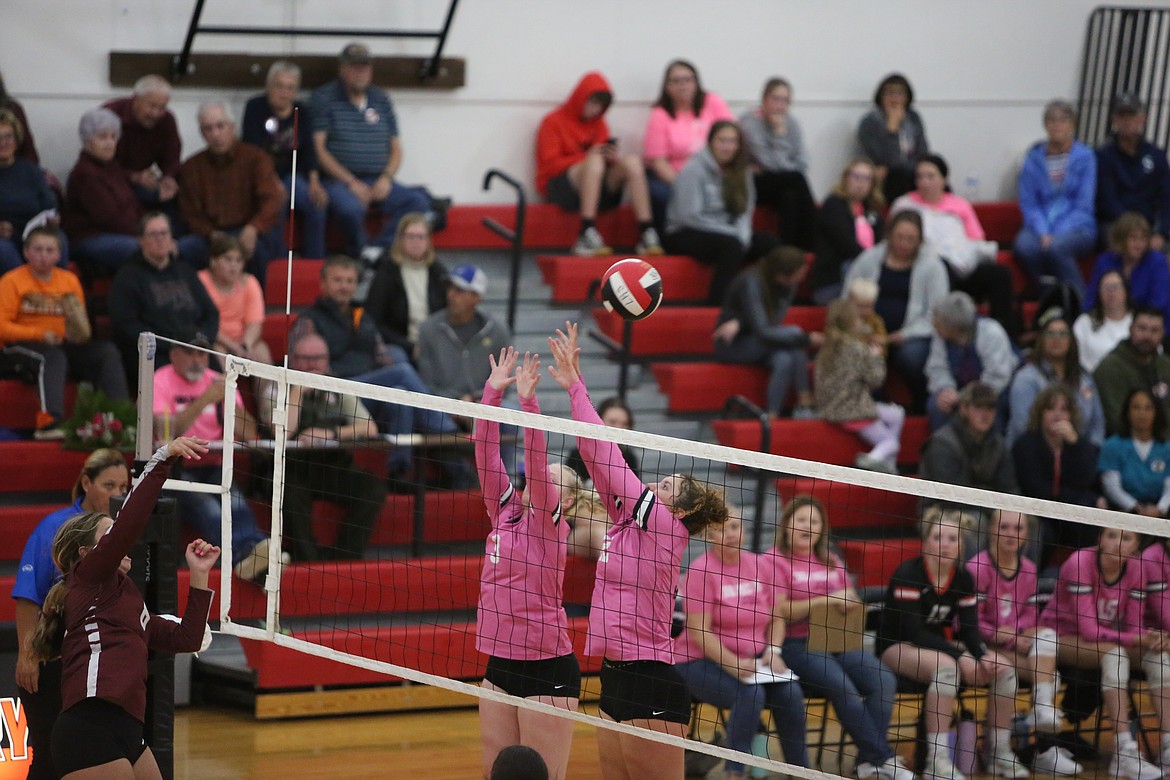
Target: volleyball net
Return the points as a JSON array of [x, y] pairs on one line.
[[385, 536]]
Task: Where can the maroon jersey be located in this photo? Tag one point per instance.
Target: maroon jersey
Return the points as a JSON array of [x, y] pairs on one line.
[[107, 627]]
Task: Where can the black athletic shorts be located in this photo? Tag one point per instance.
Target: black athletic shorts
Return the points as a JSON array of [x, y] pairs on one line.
[[561, 193], [548, 677], [644, 689], [95, 732]]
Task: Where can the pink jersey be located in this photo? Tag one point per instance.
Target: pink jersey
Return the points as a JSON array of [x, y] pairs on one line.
[[678, 138], [638, 568], [521, 613], [1156, 571], [800, 578], [737, 596], [1004, 602], [1085, 605]]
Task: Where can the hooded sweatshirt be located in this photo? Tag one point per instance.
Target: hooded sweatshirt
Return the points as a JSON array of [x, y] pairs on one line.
[[564, 137]]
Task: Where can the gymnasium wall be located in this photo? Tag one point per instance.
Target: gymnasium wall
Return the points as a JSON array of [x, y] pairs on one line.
[[981, 70]]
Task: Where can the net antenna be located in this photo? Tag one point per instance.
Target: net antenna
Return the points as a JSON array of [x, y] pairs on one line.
[[288, 235]]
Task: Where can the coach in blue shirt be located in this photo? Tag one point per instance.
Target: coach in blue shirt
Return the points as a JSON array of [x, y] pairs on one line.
[[1132, 173], [355, 135]]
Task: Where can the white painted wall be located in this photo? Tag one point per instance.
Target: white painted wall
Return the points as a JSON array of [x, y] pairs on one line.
[[981, 69]]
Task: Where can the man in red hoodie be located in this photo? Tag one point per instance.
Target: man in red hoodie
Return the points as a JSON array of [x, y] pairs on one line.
[[578, 167]]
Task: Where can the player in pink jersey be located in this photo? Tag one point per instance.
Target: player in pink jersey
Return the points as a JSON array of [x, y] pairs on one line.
[[859, 685], [1156, 571], [96, 620], [1096, 611], [633, 597], [1006, 589], [521, 623], [732, 629]]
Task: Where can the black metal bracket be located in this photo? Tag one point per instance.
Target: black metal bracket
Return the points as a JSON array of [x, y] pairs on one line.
[[428, 72], [738, 403], [515, 236]]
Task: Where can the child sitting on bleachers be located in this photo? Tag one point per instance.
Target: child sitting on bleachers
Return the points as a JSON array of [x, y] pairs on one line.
[[239, 299]]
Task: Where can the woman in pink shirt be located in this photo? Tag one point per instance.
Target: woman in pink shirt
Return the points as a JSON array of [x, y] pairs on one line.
[[239, 299], [808, 575], [633, 597], [733, 629], [521, 623], [678, 126]]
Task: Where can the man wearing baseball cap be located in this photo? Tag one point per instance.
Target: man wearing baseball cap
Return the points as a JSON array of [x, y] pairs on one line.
[[1132, 173], [355, 136]]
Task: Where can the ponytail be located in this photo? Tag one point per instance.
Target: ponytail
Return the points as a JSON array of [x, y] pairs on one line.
[[77, 532]]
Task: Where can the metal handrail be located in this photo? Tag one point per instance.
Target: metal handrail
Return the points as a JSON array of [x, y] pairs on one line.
[[742, 404], [515, 236]]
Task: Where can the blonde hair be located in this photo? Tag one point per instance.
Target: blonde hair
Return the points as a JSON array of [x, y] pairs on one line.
[[77, 532], [397, 254], [97, 462], [840, 327], [577, 500], [966, 523]]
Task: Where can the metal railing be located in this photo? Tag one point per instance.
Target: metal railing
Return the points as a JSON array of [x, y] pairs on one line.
[[515, 236]]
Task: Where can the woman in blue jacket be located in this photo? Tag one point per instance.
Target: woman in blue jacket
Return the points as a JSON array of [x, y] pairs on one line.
[[1058, 184]]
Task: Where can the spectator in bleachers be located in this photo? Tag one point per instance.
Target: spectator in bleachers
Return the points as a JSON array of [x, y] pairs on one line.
[[965, 348], [1106, 323], [679, 124], [893, 136], [1057, 186], [1134, 460], [1054, 461], [951, 225], [271, 124], [238, 298], [357, 353], [968, 450], [928, 598], [156, 292], [615, 413], [24, 195], [579, 167], [751, 328], [149, 149], [409, 285], [355, 137], [911, 279], [189, 399], [1096, 611], [775, 145], [27, 148], [231, 187], [1006, 584], [1054, 360], [849, 368], [1135, 364], [809, 575], [103, 476], [1143, 267], [1132, 173], [733, 627], [711, 205], [42, 310], [848, 222], [863, 294], [320, 470]]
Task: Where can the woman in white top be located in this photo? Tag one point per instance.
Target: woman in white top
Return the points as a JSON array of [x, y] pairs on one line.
[[1106, 324]]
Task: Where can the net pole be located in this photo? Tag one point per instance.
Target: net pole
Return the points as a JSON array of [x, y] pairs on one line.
[[144, 436], [276, 532], [227, 474]]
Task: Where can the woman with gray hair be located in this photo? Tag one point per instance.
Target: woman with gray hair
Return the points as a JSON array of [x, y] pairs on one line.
[[1057, 190], [965, 348]]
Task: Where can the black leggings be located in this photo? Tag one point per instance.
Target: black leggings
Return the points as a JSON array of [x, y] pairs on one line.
[[787, 192], [722, 251], [991, 283]]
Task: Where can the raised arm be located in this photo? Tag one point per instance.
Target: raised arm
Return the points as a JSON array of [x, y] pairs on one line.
[[493, 478], [543, 491]]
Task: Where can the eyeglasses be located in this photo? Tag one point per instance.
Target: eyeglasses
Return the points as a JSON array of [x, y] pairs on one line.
[[207, 128], [7, 136], [157, 234], [1060, 334], [416, 236], [680, 80], [319, 358], [861, 176]]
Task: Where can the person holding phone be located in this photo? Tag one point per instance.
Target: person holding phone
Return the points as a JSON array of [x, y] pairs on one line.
[[579, 167]]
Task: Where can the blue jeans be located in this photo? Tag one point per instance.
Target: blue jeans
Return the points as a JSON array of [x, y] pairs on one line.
[[1059, 260], [11, 257], [200, 511], [398, 418], [861, 688], [659, 199], [351, 214], [711, 684], [312, 218], [909, 359], [109, 251], [789, 365]]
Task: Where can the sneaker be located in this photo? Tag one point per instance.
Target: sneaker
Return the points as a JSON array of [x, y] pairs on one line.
[[1005, 764], [1164, 760], [649, 243], [49, 434], [804, 413], [254, 565], [1129, 764], [1047, 718], [940, 767], [1056, 761], [891, 769], [870, 463], [865, 770], [590, 244]]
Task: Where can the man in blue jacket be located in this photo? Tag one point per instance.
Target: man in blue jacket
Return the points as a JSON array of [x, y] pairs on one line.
[[1132, 173]]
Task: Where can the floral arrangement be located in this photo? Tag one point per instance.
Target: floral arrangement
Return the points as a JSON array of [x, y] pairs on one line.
[[98, 422]]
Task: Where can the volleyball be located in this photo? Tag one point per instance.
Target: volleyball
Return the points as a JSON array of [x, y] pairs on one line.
[[632, 288]]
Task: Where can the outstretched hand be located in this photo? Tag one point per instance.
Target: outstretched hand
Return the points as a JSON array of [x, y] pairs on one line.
[[567, 355], [187, 447], [501, 377], [528, 376]]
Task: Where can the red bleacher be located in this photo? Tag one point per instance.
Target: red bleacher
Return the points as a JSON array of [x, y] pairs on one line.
[[873, 561], [684, 279], [833, 444], [855, 506]]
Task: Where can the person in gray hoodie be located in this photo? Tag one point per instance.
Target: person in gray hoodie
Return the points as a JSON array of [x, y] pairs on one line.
[[709, 216]]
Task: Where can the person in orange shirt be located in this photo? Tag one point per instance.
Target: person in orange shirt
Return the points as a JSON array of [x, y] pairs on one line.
[[43, 318], [239, 299]]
